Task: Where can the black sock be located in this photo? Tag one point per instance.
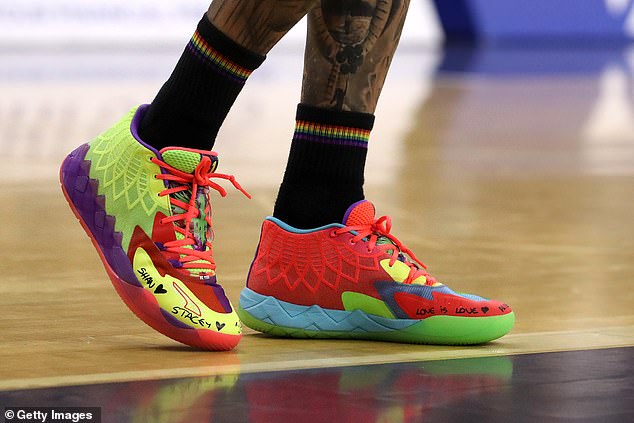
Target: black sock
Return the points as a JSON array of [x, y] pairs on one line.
[[193, 103], [324, 174]]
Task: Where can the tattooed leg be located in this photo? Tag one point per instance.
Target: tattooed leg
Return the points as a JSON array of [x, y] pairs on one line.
[[349, 48], [258, 24]]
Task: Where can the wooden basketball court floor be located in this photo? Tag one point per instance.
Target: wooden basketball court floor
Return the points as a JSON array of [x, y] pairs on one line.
[[511, 174]]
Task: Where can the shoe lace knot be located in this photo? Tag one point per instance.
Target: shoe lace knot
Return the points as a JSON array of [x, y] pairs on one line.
[[377, 235], [191, 211]]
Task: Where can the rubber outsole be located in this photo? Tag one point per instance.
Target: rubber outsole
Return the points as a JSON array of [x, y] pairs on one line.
[[278, 318]]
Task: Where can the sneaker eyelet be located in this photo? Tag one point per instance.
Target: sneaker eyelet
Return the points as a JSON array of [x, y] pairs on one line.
[[333, 233], [351, 242]]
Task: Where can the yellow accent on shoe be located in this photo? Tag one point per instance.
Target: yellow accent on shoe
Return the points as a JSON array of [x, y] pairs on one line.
[[356, 301], [399, 271], [180, 302]]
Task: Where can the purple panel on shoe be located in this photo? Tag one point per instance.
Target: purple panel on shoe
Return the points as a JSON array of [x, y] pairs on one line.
[[81, 183], [91, 209], [174, 321], [94, 187], [176, 264], [109, 228], [134, 128], [100, 200], [220, 294], [100, 216]]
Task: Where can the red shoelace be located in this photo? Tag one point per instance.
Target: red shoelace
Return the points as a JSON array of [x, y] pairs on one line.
[[202, 177], [381, 228]]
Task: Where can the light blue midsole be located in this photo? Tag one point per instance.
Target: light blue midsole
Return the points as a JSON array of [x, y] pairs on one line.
[[280, 313]]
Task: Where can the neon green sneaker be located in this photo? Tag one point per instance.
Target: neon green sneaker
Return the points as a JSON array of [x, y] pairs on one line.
[[148, 214]]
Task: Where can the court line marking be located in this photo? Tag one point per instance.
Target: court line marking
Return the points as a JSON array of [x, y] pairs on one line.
[[513, 344]]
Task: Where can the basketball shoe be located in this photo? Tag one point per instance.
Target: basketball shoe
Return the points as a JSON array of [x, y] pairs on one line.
[[148, 214], [357, 280]]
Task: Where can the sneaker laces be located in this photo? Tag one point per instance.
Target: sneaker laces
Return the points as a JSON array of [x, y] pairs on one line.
[[190, 253], [378, 235]]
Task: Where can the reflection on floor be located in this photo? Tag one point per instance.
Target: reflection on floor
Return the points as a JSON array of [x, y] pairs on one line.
[[579, 386]]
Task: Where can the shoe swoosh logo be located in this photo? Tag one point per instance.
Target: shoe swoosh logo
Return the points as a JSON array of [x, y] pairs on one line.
[[176, 298]]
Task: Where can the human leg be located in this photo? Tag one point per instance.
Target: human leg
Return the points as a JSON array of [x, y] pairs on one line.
[[231, 41], [326, 266], [142, 189], [350, 45]]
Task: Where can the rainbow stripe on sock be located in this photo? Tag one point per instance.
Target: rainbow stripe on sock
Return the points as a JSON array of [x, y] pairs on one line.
[[201, 48], [331, 134]]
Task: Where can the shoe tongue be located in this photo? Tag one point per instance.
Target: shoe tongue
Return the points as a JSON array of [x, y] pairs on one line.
[[359, 214], [362, 213], [186, 160]]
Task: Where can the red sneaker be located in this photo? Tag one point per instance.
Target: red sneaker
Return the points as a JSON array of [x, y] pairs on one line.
[[357, 280]]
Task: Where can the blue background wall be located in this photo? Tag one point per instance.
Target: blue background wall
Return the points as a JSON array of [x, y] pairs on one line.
[[549, 20]]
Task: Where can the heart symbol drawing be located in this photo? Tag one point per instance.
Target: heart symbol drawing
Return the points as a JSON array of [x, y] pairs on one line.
[[160, 290], [484, 309], [219, 325]]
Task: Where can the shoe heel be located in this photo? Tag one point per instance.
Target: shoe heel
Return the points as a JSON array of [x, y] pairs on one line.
[[81, 192]]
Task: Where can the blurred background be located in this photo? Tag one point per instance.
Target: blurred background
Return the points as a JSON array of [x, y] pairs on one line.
[[503, 149], [68, 69]]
